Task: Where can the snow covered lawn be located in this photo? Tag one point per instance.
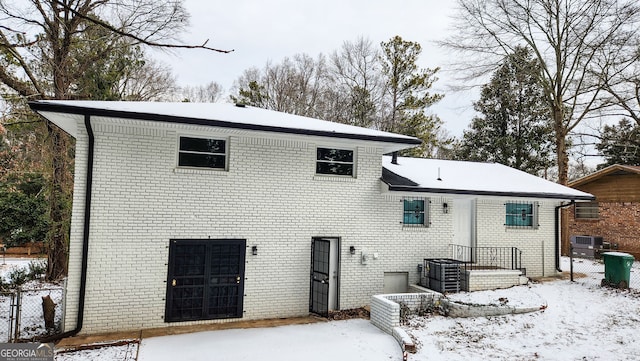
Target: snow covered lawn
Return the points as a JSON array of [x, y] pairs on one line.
[[580, 323]]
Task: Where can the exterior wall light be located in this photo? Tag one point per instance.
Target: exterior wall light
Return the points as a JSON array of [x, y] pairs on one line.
[[352, 250], [445, 208], [254, 250]]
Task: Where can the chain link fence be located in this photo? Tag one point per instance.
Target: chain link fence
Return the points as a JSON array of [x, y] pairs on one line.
[[590, 269], [23, 310]]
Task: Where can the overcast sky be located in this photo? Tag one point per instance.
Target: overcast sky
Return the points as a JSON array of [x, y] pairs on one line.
[[261, 31]]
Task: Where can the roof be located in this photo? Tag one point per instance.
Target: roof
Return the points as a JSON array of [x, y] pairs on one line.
[[223, 115], [471, 178], [615, 169]]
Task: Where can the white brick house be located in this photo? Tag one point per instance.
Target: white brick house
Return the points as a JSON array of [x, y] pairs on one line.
[[203, 213]]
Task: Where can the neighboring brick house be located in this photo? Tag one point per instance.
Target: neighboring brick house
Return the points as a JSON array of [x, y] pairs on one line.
[[615, 213], [191, 213]]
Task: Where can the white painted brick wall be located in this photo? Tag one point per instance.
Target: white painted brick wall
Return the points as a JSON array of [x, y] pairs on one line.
[[385, 309], [537, 245], [490, 280], [269, 196]]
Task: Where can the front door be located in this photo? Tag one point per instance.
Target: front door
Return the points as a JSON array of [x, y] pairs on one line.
[[463, 228], [324, 275], [205, 279]]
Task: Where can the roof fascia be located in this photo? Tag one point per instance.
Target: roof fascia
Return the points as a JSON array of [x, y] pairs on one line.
[[59, 108], [393, 188], [602, 173]]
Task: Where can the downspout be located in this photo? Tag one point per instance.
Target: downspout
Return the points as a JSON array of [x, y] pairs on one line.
[[85, 238], [557, 224]]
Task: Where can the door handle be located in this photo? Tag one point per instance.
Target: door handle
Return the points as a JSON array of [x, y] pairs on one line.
[[238, 279], [173, 282]]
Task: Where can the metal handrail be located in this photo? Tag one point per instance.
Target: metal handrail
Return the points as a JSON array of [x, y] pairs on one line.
[[474, 258]]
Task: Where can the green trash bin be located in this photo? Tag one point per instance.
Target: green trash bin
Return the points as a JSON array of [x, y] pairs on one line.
[[617, 269]]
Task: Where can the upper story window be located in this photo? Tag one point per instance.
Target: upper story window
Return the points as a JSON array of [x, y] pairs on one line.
[[202, 153], [586, 210], [521, 214], [416, 212], [334, 161]]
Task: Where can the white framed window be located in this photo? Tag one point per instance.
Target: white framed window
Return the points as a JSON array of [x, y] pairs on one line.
[[521, 215], [333, 161], [415, 212], [586, 210], [202, 153]]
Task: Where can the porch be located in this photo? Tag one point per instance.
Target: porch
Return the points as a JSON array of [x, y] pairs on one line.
[[474, 269]]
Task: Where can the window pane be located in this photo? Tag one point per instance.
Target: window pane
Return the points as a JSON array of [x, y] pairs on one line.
[[519, 214], [335, 155], [587, 210], [414, 205], [334, 168], [201, 160], [413, 211], [202, 145], [413, 218]]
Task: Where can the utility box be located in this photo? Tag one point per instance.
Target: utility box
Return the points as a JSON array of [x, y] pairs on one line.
[[586, 246], [444, 275], [617, 269]]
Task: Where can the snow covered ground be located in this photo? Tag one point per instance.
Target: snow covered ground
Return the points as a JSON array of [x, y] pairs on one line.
[[582, 321], [352, 340], [31, 316]]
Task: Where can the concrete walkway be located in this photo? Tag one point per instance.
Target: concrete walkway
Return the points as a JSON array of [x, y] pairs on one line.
[[84, 341]]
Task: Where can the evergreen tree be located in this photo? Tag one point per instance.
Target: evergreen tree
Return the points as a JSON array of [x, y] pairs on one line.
[[408, 95], [620, 144], [23, 209], [514, 127]]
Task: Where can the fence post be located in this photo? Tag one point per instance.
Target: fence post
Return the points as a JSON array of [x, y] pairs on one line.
[[18, 314], [571, 261], [11, 310]]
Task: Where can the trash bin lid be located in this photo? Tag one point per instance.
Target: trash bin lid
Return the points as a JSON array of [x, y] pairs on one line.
[[618, 254]]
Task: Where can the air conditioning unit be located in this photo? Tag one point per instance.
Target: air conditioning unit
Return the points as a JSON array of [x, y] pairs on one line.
[[589, 242], [586, 246]]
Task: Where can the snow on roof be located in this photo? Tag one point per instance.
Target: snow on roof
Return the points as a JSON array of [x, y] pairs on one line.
[[472, 178], [216, 114], [616, 169]]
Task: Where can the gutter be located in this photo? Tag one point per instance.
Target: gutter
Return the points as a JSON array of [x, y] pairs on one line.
[[557, 232], [85, 238], [417, 189]]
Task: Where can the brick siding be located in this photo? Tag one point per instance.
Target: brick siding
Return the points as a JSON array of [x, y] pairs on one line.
[[617, 223], [270, 197]]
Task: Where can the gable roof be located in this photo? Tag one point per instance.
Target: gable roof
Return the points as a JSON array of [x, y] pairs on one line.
[[471, 178], [610, 170], [223, 115]]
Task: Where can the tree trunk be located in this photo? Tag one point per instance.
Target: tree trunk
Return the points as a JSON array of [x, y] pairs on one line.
[[59, 204], [561, 144]]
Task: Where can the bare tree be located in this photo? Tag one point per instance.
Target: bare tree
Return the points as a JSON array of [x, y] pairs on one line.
[[210, 93], [622, 83], [293, 86], [572, 40], [355, 83], [151, 81], [38, 40]]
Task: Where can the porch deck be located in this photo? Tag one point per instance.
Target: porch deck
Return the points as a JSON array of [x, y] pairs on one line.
[[473, 268]]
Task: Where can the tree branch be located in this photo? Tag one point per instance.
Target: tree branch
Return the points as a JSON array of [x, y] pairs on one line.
[[139, 39], [24, 122]]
